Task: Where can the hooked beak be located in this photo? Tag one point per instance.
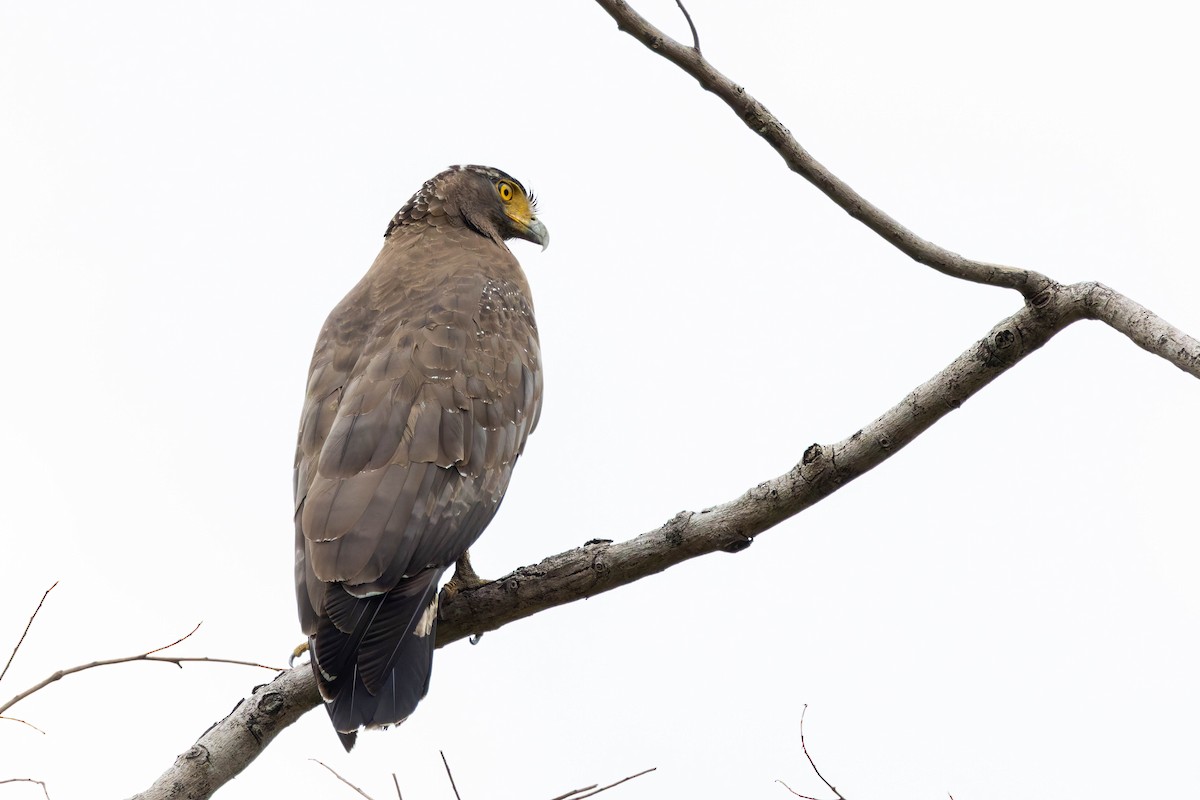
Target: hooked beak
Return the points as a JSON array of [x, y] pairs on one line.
[[535, 232]]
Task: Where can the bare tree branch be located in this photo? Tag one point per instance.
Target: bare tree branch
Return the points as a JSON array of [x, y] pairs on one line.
[[183, 638], [42, 784], [1143, 327], [602, 565], [592, 791], [811, 763], [793, 791], [1123, 314], [692, 25], [225, 749], [147, 656], [25, 632], [23, 722], [450, 775], [758, 119], [574, 792], [343, 780]]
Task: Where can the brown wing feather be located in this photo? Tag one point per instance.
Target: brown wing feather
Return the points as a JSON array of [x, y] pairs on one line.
[[430, 362], [424, 385]]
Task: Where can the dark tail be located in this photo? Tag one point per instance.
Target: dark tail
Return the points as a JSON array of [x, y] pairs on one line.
[[372, 655]]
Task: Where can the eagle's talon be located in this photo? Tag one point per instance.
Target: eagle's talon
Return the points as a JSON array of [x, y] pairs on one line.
[[464, 578], [300, 650]]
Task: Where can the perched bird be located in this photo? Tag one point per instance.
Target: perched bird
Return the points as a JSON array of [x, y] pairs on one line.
[[425, 382]]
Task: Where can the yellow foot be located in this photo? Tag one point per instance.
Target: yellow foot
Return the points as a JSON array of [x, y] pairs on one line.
[[300, 650]]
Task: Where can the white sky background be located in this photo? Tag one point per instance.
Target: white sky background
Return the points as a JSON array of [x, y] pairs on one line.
[[1006, 608]]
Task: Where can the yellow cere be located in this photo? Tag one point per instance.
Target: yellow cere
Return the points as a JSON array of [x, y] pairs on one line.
[[516, 203]]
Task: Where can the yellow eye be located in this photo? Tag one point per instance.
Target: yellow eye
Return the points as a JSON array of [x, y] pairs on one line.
[[506, 190]]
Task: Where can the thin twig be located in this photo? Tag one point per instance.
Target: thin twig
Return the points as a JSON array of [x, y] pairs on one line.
[[176, 660], [575, 792], [762, 122], [343, 780], [397, 782], [183, 638], [688, 17], [1146, 329], [576, 796], [45, 791], [32, 616], [23, 722], [813, 764], [449, 774], [793, 791]]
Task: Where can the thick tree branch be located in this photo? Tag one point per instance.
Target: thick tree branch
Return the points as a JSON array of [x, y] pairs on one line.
[[600, 566], [758, 119], [1139, 324], [1143, 327], [226, 748]]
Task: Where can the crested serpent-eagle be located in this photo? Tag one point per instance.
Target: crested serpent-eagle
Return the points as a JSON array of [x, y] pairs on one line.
[[424, 384]]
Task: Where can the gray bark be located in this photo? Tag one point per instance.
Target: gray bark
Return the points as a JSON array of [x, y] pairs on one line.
[[602, 565]]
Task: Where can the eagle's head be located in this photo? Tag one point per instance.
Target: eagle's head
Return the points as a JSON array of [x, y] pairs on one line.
[[485, 199]]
